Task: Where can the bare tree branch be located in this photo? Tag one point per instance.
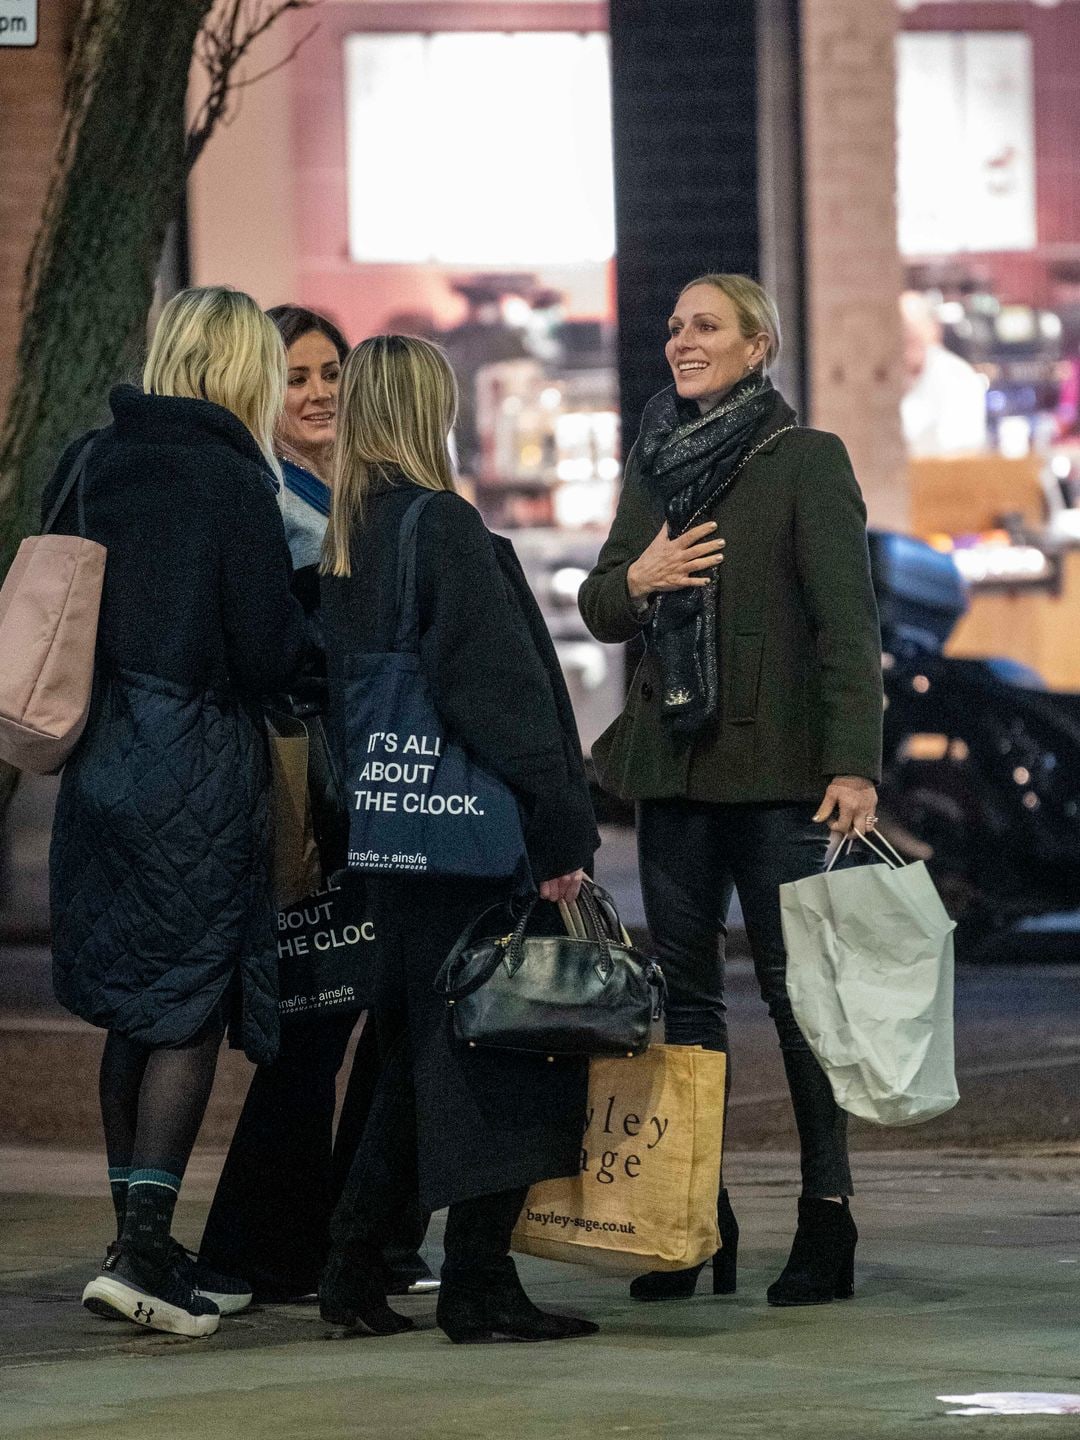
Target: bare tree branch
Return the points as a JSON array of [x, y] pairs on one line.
[[224, 41], [273, 69]]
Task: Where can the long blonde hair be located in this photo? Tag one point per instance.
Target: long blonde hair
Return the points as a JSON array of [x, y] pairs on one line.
[[754, 306], [396, 406], [216, 344]]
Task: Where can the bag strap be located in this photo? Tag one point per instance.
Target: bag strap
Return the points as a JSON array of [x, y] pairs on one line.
[[889, 853], [407, 627], [442, 980], [306, 487], [846, 843], [74, 478]]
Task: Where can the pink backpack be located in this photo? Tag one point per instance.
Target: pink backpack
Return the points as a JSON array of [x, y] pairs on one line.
[[49, 609]]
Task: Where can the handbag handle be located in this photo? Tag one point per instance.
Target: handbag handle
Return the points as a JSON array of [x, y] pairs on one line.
[[653, 973], [588, 903], [74, 478], [442, 979]]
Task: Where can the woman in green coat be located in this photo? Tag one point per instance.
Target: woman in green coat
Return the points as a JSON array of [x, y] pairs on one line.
[[753, 724]]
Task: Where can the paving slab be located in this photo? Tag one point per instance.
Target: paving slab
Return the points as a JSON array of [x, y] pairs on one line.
[[968, 1281]]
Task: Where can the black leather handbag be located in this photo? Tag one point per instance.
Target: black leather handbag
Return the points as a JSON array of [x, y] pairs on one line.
[[586, 991]]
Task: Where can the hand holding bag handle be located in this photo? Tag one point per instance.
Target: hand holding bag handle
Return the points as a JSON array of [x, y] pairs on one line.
[[511, 945]]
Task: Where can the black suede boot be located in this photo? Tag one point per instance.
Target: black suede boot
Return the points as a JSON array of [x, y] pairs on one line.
[[481, 1299], [821, 1267], [681, 1284], [352, 1292]]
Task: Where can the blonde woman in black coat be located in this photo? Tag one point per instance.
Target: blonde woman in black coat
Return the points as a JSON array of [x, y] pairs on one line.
[[472, 1129], [162, 920]]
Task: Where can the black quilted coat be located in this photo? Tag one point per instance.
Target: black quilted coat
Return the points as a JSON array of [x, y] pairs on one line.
[[160, 898]]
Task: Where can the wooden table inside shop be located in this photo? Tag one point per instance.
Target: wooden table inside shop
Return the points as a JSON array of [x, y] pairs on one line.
[[1034, 624]]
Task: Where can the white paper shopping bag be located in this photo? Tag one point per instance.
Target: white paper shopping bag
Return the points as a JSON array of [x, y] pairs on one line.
[[870, 976]]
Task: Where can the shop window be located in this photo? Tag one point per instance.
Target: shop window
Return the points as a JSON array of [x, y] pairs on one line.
[[966, 143], [479, 148]]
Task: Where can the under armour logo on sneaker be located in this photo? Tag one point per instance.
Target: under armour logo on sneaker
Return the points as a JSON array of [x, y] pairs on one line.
[[143, 1316]]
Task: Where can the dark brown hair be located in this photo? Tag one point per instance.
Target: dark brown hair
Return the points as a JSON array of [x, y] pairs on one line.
[[293, 322]]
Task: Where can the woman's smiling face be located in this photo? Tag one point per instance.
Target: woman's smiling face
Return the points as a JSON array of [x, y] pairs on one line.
[[310, 418], [706, 349]]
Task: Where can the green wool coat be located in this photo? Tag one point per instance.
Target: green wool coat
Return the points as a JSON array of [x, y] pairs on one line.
[[797, 631]]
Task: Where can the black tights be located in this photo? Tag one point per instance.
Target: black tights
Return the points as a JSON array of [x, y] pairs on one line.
[[153, 1100]]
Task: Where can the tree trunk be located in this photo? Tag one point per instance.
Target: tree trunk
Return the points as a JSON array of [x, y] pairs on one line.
[[116, 185]]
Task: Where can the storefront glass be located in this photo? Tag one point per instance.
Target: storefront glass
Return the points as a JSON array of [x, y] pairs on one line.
[[988, 107], [506, 143]]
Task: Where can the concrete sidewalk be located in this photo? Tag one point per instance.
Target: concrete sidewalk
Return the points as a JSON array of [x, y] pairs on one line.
[[967, 1280]]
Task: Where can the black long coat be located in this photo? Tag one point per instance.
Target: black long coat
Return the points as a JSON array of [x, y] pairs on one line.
[[159, 862], [486, 1121]]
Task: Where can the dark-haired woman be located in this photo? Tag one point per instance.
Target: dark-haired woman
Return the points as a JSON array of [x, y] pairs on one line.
[[285, 1168], [739, 550], [315, 351]]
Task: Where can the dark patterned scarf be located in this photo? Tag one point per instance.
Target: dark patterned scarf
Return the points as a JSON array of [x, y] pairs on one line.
[[687, 461]]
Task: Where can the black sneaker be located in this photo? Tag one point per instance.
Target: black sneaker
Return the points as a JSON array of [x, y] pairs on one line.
[[160, 1297], [227, 1292]]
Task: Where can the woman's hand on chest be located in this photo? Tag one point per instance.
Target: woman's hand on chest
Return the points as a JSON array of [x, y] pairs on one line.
[[675, 563]]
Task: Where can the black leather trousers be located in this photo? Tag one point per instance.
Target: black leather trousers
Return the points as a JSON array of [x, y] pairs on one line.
[[693, 855]]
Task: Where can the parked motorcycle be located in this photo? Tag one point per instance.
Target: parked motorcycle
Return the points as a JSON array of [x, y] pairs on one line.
[[981, 763]]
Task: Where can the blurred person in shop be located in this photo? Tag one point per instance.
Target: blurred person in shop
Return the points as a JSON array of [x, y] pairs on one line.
[[739, 551], [285, 1169], [482, 338], [159, 870], [471, 1129], [943, 411]]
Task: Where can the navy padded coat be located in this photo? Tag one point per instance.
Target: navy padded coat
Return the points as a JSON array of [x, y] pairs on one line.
[[159, 866]]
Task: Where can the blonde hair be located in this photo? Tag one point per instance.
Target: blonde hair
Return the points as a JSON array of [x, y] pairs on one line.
[[754, 306], [216, 344], [396, 406]]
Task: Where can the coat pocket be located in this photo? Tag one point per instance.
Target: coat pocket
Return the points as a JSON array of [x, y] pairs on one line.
[[745, 681]]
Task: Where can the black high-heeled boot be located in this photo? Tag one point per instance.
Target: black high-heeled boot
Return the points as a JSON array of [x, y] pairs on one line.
[[352, 1292], [681, 1284], [481, 1299], [481, 1306], [821, 1266]]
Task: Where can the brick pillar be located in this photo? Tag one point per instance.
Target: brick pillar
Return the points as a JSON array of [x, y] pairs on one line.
[[854, 275], [31, 103]]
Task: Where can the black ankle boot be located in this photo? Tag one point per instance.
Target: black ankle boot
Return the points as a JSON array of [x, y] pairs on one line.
[[821, 1266], [681, 1284], [479, 1306], [352, 1292]]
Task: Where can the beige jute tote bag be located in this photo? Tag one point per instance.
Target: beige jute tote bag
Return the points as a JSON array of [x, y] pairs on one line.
[[645, 1197]]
